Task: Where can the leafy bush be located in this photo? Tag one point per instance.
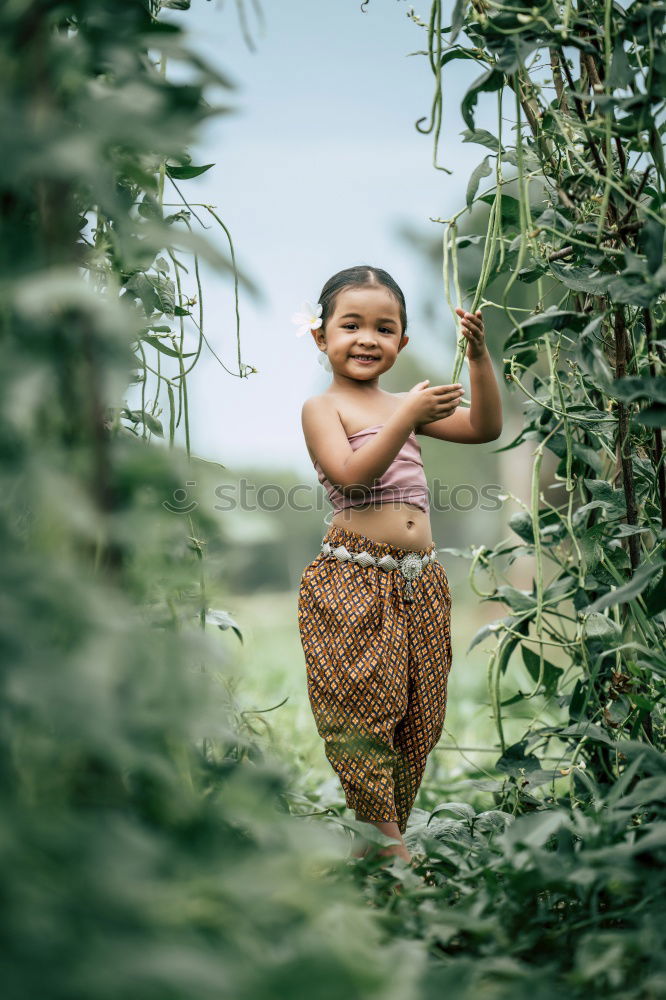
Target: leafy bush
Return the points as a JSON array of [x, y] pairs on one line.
[[146, 847]]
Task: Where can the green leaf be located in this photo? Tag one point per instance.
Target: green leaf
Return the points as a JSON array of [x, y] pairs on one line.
[[223, 620], [460, 810], [535, 829], [156, 292], [655, 600], [466, 241], [184, 173], [553, 318], [454, 53], [160, 346], [458, 19], [152, 423], [513, 700], [637, 289], [491, 628], [510, 640], [651, 243], [578, 700], [651, 416], [149, 207], [521, 523], [140, 286], [559, 589], [635, 586], [643, 387], [621, 73], [513, 56], [180, 216], [581, 279], [591, 358], [551, 673], [143, 417], [654, 839], [489, 81], [588, 456], [601, 627], [624, 530], [165, 291], [492, 820], [550, 319], [514, 760], [604, 496], [531, 272], [482, 170], [510, 210], [481, 136], [651, 789], [530, 160], [518, 600], [588, 730]]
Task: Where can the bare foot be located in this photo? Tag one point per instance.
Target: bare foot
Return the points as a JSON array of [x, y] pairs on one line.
[[391, 830]]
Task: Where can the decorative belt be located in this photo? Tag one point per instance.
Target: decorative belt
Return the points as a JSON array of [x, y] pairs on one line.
[[411, 566]]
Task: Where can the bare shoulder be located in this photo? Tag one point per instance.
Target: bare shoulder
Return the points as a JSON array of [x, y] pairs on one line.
[[325, 436], [315, 407], [319, 414]]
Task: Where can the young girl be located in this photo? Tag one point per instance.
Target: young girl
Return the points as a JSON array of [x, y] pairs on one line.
[[374, 606]]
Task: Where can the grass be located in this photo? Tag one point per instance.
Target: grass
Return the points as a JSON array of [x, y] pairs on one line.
[[268, 670]]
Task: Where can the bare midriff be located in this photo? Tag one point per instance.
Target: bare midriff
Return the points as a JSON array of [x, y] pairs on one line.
[[402, 525]]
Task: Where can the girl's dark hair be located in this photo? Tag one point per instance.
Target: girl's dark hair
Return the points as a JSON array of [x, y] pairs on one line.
[[359, 277]]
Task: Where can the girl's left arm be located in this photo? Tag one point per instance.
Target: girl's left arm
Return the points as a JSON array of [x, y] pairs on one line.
[[483, 420]]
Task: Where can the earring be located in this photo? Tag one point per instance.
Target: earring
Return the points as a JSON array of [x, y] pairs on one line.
[[324, 362]]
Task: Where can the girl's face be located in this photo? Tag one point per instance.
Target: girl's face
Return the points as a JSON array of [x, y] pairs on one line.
[[363, 335]]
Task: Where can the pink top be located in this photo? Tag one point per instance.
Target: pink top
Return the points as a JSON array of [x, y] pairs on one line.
[[403, 480]]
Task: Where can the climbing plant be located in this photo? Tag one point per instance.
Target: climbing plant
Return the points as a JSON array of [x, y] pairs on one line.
[[558, 891], [575, 189]]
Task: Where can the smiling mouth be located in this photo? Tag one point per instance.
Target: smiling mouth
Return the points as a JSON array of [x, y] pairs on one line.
[[365, 357]]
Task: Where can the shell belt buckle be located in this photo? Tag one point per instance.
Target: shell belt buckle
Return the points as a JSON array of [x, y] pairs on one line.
[[411, 567]]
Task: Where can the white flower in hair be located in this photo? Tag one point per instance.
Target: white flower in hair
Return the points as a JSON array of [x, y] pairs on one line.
[[309, 318]]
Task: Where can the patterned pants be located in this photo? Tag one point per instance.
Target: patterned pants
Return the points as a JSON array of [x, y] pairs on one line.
[[377, 668]]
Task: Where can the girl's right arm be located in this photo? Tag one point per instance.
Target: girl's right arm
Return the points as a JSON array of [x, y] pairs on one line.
[[346, 468]]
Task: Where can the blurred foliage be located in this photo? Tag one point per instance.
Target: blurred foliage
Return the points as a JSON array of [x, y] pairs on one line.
[[146, 844], [558, 903]]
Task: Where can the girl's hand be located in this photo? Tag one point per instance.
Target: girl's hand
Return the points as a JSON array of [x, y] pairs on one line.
[[426, 403], [471, 325]]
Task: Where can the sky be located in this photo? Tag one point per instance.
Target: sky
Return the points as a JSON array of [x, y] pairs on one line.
[[314, 172]]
